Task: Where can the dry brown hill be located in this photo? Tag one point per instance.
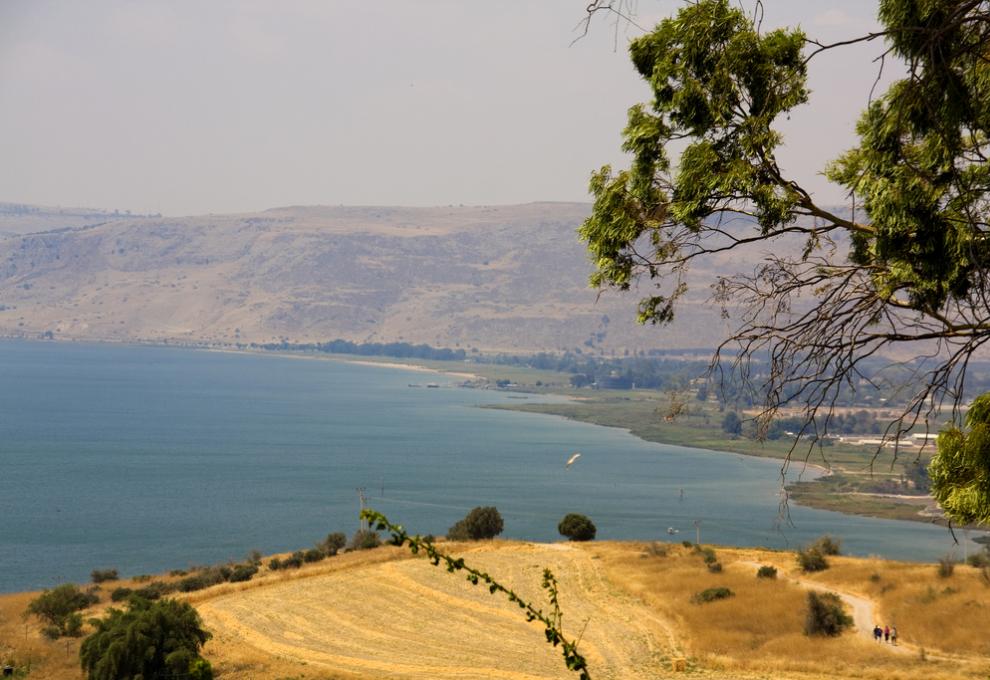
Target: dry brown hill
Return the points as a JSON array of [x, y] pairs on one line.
[[494, 278], [383, 614]]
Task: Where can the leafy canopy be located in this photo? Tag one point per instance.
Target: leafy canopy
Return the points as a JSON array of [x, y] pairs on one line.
[[147, 641], [905, 268]]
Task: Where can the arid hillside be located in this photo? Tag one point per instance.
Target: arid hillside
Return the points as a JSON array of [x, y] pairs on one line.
[[492, 278], [636, 608]]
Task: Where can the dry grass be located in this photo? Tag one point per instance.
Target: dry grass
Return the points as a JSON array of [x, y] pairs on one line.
[[947, 614], [380, 614], [760, 628]]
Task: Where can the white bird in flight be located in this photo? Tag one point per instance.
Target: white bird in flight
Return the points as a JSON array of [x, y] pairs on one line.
[[570, 461]]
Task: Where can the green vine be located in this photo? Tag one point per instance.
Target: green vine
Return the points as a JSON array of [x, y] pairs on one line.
[[551, 621]]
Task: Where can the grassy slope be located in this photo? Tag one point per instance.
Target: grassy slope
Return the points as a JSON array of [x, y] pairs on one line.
[[381, 614]]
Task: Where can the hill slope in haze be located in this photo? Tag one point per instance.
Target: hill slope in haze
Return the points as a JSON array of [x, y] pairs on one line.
[[508, 278]]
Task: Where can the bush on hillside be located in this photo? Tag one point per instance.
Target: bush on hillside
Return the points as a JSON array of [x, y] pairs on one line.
[[714, 567], [766, 571], [243, 572], [828, 545], [313, 555], [480, 523], [811, 559], [56, 608], [712, 595], [334, 543], [101, 575], [946, 566], [154, 590], [120, 594], [577, 527], [365, 539], [825, 615]]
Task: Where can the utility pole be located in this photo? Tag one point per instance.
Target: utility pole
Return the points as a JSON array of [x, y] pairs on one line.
[[697, 532], [362, 500]]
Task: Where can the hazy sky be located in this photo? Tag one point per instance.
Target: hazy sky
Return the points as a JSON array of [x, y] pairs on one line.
[[189, 106]]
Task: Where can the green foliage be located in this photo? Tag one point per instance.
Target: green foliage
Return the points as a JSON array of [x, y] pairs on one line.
[[916, 270], [243, 572], [825, 615], [313, 555], [552, 621], [120, 594], [732, 424], [766, 571], [102, 575], [148, 640], [58, 608], [812, 559], [334, 542], [154, 590], [480, 523], [712, 595], [960, 469], [577, 527]]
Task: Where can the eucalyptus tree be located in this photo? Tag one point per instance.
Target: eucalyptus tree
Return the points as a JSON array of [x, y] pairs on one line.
[[903, 271]]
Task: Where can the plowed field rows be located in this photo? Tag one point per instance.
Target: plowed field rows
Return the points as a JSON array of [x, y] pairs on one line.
[[408, 619]]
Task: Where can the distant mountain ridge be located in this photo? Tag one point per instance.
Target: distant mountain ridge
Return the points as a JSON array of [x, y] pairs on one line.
[[496, 278]]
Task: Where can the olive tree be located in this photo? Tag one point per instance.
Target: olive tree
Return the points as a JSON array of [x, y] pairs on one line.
[[902, 271]]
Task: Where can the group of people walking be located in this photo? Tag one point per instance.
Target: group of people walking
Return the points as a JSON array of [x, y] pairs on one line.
[[885, 634]]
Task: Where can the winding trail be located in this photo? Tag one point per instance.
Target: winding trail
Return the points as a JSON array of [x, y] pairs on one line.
[[863, 609]]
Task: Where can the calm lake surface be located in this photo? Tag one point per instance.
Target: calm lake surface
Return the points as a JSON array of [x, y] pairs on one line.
[[147, 458]]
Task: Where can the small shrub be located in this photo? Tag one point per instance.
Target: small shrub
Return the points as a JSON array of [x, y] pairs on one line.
[[243, 572], [223, 572], [365, 539], [313, 555], [687, 544], [828, 545], [120, 594], [142, 578], [334, 543], [825, 615], [59, 608], [480, 523], [714, 567], [811, 559], [875, 577], [178, 572], [709, 555], [254, 557], [711, 595], [154, 591], [73, 625], [101, 575], [293, 561], [274, 564], [766, 571], [458, 532], [577, 527], [946, 566]]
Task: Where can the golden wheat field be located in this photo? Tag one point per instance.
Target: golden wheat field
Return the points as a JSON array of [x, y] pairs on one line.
[[385, 614]]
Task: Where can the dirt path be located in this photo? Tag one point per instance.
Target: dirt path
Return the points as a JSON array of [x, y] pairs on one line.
[[863, 609], [408, 619]]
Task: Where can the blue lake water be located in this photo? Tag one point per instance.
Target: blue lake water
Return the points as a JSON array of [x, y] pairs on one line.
[[148, 458]]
